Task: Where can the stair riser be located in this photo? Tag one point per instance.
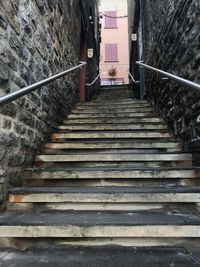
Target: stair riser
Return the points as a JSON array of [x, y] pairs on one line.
[[108, 182], [23, 244], [101, 103], [83, 206], [110, 135], [29, 207], [111, 127], [111, 98], [133, 164], [124, 174], [107, 151], [105, 121], [106, 198], [112, 115], [114, 146], [113, 157], [148, 231], [112, 110], [92, 106]]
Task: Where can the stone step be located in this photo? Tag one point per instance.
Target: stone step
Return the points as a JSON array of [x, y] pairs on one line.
[[112, 173], [113, 120], [95, 157], [105, 195], [110, 102], [99, 256], [117, 96], [111, 135], [111, 99], [96, 206], [113, 115], [114, 127], [64, 151], [111, 110], [113, 164], [113, 145], [91, 224], [91, 105], [116, 102]]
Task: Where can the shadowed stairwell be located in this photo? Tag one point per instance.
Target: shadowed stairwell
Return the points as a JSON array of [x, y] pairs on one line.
[[112, 174]]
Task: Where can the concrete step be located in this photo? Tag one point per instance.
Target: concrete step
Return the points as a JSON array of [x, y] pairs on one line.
[[111, 110], [96, 206], [91, 224], [93, 106], [52, 150], [113, 120], [95, 157], [116, 102], [98, 256], [105, 195], [114, 127], [114, 145], [113, 115], [111, 102], [112, 99], [111, 135], [112, 173]]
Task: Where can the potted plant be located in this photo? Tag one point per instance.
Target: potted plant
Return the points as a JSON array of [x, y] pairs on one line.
[[112, 72]]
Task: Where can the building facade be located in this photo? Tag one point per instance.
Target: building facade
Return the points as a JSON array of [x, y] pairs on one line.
[[114, 60]]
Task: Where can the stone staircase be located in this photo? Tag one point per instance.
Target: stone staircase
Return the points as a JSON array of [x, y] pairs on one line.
[[112, 174]]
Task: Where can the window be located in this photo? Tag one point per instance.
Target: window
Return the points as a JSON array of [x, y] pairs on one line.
[[110, 19], [111, 53]]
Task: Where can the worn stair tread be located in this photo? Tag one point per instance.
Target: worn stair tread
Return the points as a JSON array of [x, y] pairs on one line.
[[111, 110], [110, 134], [112, 115], [90, 106], [106, 173], [110, 194], [113, 127], [98, 257], [87, 218], [113, 120], [105, 190], [111, 145], [93, 157]]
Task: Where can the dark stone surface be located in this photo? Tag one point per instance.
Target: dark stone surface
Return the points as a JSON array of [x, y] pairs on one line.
[[98, 257], [171, 42], [107, 190], [90, 218]]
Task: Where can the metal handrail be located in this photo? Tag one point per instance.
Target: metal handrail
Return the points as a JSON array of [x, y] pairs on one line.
[[24, 91], [183, 81], [90, 84], [133, 80]]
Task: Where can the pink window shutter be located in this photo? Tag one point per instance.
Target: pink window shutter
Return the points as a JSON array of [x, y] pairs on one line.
[[110, 19], [111, 52]]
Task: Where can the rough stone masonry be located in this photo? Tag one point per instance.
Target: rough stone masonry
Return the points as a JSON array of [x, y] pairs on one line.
[[172, 43], [38, 38]]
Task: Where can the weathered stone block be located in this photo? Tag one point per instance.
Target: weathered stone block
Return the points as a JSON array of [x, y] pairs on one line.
[[3, 71], [9, 109]]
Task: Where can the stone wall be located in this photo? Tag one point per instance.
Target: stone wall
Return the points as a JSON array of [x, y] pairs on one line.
[[171, 40], [38, 38]]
